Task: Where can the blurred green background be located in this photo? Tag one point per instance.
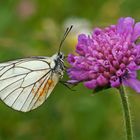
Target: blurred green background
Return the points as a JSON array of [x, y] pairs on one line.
[[35, 27]]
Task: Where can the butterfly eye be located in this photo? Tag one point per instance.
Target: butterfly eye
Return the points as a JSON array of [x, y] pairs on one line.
[[61, 56]]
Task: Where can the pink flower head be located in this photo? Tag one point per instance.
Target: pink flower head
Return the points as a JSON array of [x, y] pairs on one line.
[[108, 57]]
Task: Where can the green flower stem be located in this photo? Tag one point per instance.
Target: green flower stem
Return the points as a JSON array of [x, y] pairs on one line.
[[127, 115]]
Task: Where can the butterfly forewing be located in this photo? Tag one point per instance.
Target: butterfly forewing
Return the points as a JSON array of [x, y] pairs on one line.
[[25, 84]]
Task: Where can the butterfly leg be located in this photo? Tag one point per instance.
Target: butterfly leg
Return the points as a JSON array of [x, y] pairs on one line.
[[66, 84]]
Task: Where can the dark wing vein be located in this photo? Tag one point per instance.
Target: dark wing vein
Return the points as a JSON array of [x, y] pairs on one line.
[[17, 97], [38, 79], [51, 79], [27, 97], [10, 93], [10, 84], [31, 69], [32, 59], [6, 71], [38, 89], [14, 76], [39, 96]]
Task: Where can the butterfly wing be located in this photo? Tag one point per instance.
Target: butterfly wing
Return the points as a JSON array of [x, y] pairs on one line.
[[25, 84]]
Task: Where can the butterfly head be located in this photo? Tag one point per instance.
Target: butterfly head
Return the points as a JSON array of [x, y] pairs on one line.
[[60, 56]]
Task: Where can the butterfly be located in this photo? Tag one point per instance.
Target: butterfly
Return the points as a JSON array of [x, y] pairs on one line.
[[26, 83]]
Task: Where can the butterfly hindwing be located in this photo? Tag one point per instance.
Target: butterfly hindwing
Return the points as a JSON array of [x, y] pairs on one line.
[[45, 90]]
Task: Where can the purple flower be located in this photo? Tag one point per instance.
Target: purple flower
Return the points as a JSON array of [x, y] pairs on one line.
[[108, 57]]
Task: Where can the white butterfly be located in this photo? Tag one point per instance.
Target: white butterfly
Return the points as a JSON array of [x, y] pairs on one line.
[[26, 83]]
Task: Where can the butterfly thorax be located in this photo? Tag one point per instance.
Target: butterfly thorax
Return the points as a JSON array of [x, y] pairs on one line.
[[58, 60]]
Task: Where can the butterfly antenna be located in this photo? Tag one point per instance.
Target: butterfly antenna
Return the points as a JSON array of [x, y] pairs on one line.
[[64, 37]]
